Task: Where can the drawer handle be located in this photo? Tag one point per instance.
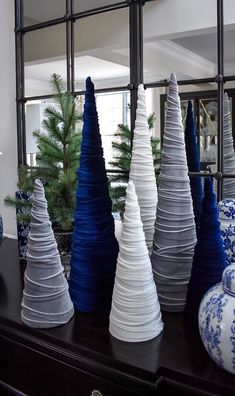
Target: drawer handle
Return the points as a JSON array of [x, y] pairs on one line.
[[96, 393]]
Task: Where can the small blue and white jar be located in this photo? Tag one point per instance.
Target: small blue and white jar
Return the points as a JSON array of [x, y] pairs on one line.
[[226, 210], [217, 321], [1, 228]]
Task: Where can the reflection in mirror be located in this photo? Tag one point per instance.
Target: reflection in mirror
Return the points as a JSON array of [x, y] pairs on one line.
[[229, 37], [45, 54], [153, 105], [208, 111], [205, 108], [34, 115], [229, 144], [179, 37], [103, 54], [85, 5], [112, 110], [43, 10]]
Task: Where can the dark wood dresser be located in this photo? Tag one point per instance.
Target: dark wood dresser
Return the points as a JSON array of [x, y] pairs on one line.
[[82, 359]]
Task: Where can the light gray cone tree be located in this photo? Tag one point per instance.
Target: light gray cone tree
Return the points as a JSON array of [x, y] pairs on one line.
[[135, 314], [46, 302], [142, 169], [229, 157], [175, 234]]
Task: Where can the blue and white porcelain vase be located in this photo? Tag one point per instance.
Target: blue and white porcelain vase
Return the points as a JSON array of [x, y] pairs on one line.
[[226, 210], [217, 321]]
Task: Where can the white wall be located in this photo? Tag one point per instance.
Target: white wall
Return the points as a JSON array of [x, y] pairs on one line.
[[8, 137]]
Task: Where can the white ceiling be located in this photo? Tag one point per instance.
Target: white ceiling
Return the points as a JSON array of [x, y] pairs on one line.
[[43, 10], [206, 45], [189, 53], [84, 66]]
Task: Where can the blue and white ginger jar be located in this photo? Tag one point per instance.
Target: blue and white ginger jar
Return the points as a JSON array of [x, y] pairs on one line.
[[217, 321], [226, 210]]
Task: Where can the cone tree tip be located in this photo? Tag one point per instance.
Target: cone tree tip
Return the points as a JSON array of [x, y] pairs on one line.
[[38, 183], [173, 78], [38, 189], [130, 188], [89, 84], [141, 88]]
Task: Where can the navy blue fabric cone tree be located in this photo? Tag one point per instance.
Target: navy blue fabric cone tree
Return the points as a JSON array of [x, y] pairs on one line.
[[209, 256], [94, 247], [193, 163]]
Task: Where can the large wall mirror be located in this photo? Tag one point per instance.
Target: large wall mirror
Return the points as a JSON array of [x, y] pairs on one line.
[[120, 44]]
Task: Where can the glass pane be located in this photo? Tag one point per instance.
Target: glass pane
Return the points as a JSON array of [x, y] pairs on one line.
[[208, 130], [153, 98], [85, 5], [102, 49], [43, 10], [34, 115], [204, 99], [179, 37], [229, 146], [45, 54], [229, 37], [111, 112]]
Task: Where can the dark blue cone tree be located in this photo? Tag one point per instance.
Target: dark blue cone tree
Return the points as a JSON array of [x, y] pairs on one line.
[[193, 163], [94, 247], [209, 257]]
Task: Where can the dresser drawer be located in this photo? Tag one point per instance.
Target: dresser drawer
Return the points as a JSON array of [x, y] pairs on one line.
[[38, 374]]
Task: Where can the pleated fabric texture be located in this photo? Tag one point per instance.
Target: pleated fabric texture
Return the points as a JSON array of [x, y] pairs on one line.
[[142, 169], [175, 233], [135, 314], [193, 163], [46, 302], [209, 258], [229, 156], [94, 247]]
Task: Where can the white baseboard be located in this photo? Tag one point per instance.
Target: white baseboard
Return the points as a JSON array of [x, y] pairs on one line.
[[10, 236]]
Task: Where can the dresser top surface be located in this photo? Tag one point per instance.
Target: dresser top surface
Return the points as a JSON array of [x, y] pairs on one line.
[[177, 352]]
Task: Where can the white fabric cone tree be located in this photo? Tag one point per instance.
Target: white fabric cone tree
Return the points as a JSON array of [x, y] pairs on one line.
[[142, 170], [175, 235], [135, 314], [229, 157], [46, 302], [118, 229]]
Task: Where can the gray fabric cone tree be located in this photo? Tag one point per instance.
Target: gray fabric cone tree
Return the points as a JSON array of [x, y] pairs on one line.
[[46, 302], [142, 170], [175, 233], [135, 314], [229, 157]]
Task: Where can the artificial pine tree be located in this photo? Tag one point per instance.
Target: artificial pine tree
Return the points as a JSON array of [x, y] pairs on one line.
[[57, 159], [175, 233], [122, 160]]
